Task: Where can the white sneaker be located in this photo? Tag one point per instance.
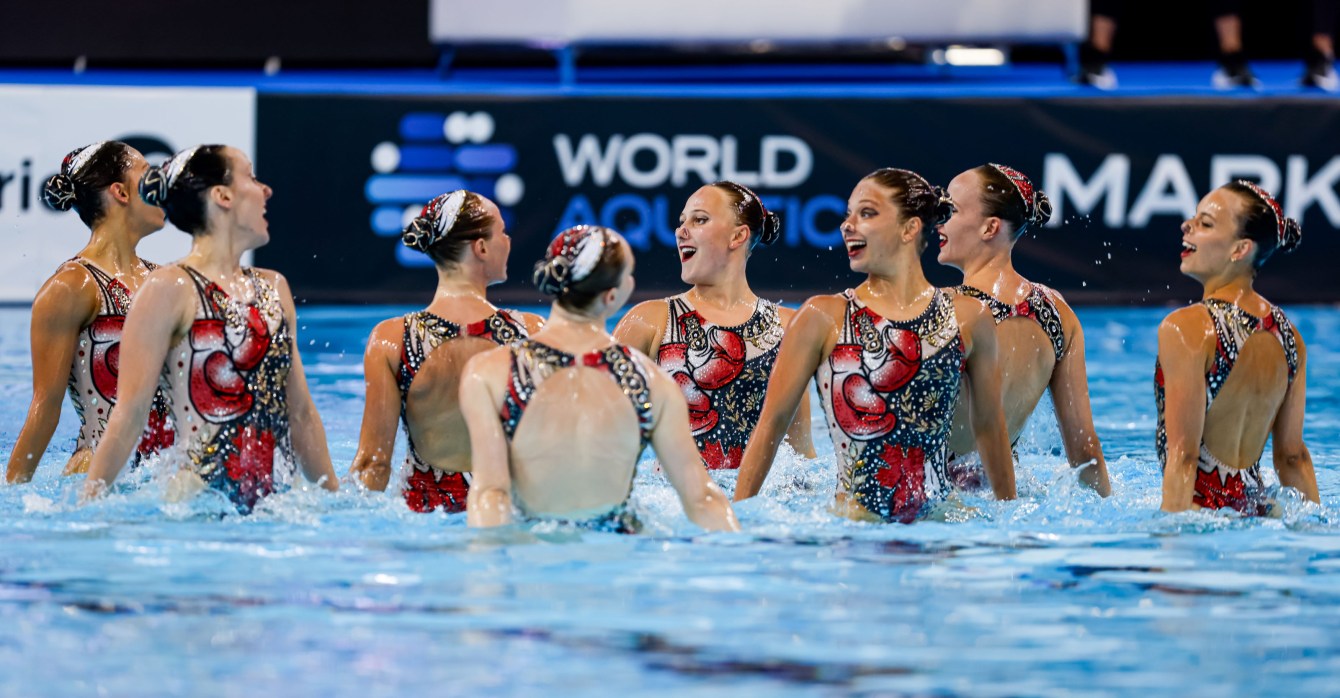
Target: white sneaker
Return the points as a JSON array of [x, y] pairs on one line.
[[1326, 80], [1224, 80], [1103, 80]]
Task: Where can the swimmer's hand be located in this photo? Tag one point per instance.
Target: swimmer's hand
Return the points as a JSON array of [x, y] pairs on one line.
[[182, 486], [370, 474], [93, 488]]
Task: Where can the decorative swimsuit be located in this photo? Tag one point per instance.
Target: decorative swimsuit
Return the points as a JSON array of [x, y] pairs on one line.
[[96, 367], [533, 362], [1217, 484], [888, 390], [723, 372], [227, 381], [428, 488], [1039, 305]]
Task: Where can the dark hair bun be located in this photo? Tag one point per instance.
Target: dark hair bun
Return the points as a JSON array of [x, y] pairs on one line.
[[418, 235], [1292, 235], [944, 206], [1042, 209], [551, 275], [154, 187], [771, 228], [58, 193]]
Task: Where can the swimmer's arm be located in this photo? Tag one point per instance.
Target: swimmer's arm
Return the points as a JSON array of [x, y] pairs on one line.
[[66, 303], [305, 427], [381, 407], [808, 340], [1293, 461], [1074, 414], [162, 309], [799, 436], [642, 327], [672, 439], [986, 412], [1182, 354], [490, 500]]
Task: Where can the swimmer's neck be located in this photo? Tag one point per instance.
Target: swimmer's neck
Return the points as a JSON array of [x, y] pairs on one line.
[[572, 323], [904, 290], [729, 294], [112, 245], [215, 254], [993, 272], [1234, 289], [458, 283]]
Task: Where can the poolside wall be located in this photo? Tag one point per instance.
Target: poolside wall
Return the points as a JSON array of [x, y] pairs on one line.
[[1123, 173]]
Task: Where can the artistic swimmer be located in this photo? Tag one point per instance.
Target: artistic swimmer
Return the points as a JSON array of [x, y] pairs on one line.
[[557, 421], [718, 339], [1232, 369], [888, 357], [1041, 343], [222, 337], [79, 313], [413, 363]]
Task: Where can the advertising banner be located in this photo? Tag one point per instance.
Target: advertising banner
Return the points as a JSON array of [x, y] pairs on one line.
[[1123, 174], [40, 125]]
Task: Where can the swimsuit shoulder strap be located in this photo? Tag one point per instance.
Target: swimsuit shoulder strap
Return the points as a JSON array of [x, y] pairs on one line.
[[210, 295], [1282, 328], [110, 302], [619, 362], [1000, 310], [502, 327], [424, 332]]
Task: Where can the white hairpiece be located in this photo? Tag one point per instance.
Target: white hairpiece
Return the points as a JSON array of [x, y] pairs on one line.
[[451, 210], [589, 251], [178, 162], [81, 160]]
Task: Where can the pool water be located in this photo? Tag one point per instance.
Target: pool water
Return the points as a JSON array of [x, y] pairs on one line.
[[1058, 594]]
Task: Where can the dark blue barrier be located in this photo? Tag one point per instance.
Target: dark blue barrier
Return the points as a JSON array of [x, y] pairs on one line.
[[1121, 172]]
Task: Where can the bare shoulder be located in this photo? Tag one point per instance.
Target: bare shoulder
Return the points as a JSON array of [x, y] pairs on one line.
[[1191, 317], [970, 311], [652, 312], [387, 337], [1189, 327], [832, 304], [533, 322]]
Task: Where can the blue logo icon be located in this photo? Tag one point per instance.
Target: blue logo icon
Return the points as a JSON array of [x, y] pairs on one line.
[[438, 153]]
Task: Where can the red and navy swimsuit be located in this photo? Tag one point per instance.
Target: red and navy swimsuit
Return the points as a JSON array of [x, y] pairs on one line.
[[533, 362], [723, 372], [1217, 484], [227, 383], [888, 391], [96, 367], [428, 488]]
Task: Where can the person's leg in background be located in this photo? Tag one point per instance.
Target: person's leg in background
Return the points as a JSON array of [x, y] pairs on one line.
[[1319, 57], [1096, 53], [1233, 69]]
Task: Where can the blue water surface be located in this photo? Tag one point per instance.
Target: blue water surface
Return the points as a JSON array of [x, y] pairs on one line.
[[1060, 593]]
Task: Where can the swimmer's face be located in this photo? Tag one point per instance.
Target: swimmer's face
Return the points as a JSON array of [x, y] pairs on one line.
[[249, 197], [874, 228], [961, 236], [707, 235], [498, 246], [143, 216], [1211, 244]]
